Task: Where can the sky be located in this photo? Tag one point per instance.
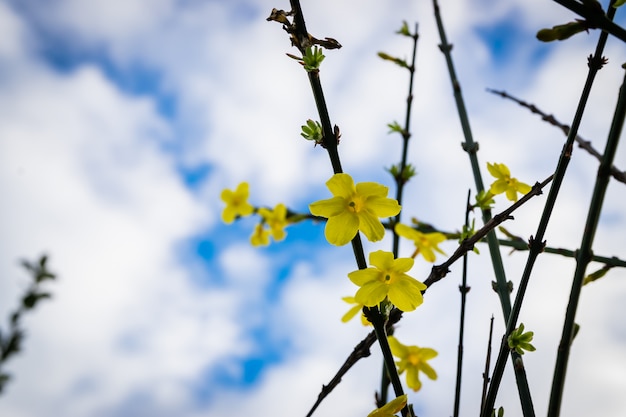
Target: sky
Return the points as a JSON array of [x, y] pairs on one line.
[[122, 122]]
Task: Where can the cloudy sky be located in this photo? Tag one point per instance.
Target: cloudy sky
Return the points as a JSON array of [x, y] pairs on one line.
[[122, 121]]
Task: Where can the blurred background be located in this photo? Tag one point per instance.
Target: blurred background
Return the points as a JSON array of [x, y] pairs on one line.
[[121, 123]]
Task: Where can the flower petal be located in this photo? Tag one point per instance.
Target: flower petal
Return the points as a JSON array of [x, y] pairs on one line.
[[371, 227], [374, 189], [412, 379], [341, 229], [428, 370], [362, 276], [406, 231], [341, 185], [371, 293], [382, 206], [397, 349], [228, 214], [428, 353], [382, 260], [403, 264], [523, 187], [405, 293], [328, 208], [351, 313]]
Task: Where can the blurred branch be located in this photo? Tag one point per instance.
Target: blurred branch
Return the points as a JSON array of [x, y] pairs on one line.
[[11, 341]]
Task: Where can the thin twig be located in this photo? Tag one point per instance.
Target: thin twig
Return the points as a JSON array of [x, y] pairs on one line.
[[362, 350], [582, 143], [440, 271], [487, 364], [406, 135]]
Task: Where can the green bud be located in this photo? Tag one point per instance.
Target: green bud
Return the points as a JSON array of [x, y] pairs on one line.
[[312, 131], [520, 341]]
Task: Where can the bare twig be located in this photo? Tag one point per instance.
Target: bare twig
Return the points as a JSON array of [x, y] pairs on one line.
[[582, 143]]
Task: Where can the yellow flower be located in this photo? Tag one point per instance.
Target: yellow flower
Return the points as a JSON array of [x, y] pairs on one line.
[[504, 183], [357, 308], [391, 408], [413, 360], [260, 236], [425, 243], [236, 203], [387, 279], [276, 219], [354, 208]]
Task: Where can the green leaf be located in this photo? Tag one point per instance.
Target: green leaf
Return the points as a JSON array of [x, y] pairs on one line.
[[597, 274], [395, 60], [619, 3], [520, 341], [313, 58], [404, 30], [312, 131]]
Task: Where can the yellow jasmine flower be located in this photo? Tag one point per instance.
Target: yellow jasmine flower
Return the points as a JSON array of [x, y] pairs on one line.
[[357, 308], [260, 236], [387, 278], [354, 208], [413, 360], [276, 219], [425, 243], [504, 183], [236, 203], [391, 408]]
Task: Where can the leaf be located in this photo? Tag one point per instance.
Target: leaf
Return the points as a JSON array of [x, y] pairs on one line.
[[597, 274], [395, 60], [404, 30]]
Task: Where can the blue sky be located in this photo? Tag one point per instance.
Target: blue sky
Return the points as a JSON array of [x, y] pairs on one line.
[[120, 124]]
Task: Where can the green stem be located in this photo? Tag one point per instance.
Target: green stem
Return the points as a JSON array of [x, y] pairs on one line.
[[330, 142], [471, 148], [536, 245], [406, 135], [378, 321], [585, 252]]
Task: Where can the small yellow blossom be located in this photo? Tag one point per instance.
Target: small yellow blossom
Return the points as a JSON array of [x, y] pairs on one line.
[[357, 308], [236, 203], [276, 219], [425, 243], [260, 236], [387, 278], [413, 361], [354, 208], [391, 408], [504, 183]]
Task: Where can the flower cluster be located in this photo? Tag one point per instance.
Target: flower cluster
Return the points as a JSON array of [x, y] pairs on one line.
[[355, 208], [237, 206]]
